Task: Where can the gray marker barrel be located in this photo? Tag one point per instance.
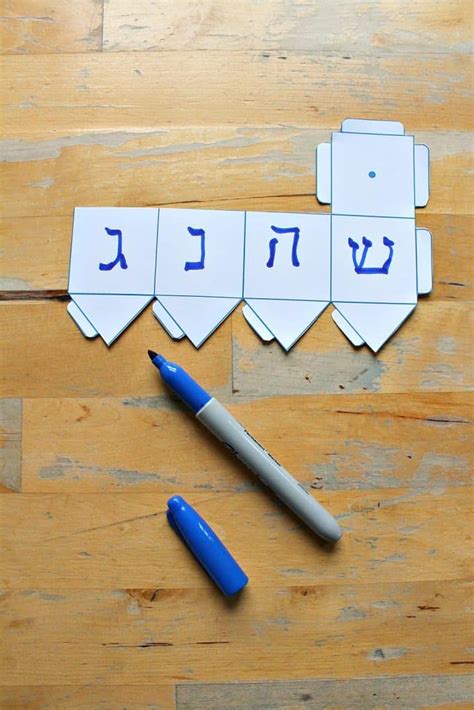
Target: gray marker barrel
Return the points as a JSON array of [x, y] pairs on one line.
[[223, 425]]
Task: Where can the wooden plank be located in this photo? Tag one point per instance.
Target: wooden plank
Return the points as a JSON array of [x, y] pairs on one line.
[[243, 88], [134, 636], [323, 361], [45, 355], [50, 26], [10, 437], [224, 166], [79, 697], [451, 280], [418, 441], [392, 692], [430, 352], [279, 25], [44, 263], [123, 540]]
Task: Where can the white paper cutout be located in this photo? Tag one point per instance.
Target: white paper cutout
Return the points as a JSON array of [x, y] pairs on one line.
[[375, 322], [372, 175], [199, 316], [199, 267], [287, 320], [422, 175], [112, 267], [112, 313], [367, 256], [168, 323], [323, 171], [84, 325], [360, 125], [347, 329], [373, 243], [257, 324], [424, 255], [286, 275], [379, 261]]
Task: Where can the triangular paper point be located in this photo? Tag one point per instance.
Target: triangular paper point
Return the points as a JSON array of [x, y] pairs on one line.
[[198, 316], [287, 320], [375, 322], [110, 314]]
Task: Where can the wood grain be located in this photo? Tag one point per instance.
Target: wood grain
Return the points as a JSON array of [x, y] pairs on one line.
[[183, 104], [391, 693], [108, 541], [243, 88], [322, 362], [50, 26], [430, 352], [123, 637], [10, 451], [279, 25], [106, 697], [421, 441], [83, 366]]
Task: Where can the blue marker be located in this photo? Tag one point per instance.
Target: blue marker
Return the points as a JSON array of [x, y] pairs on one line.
[[206, 546], [228, 430]]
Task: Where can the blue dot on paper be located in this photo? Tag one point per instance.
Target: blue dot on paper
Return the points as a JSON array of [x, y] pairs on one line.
[[372, 174]]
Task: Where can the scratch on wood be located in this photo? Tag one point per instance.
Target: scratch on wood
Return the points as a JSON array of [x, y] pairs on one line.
[[387, 654], [108, 525]]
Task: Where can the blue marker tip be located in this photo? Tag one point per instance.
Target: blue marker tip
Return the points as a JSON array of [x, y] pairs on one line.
[[180, 382], [156, 358]]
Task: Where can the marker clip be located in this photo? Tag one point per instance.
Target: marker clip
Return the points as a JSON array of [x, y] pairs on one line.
[[206, 546]]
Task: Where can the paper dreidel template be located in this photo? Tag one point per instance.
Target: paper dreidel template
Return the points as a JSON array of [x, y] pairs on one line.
[[367, 257], [374, 176], [112, 268], [199, 270], [286, 273]]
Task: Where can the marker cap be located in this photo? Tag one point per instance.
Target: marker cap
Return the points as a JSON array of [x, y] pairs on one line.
[[206, 546]]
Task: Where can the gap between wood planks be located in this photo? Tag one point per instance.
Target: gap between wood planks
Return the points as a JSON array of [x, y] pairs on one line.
[[58, 294]]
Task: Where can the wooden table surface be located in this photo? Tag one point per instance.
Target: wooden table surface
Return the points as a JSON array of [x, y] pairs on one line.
[[221, 104]]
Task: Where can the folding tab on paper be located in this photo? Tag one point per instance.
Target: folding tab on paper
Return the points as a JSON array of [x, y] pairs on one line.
[[112, 269], [199, 270], [379, 264], [287, 272]]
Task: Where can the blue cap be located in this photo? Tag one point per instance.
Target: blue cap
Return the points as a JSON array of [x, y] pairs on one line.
[[206, 546]]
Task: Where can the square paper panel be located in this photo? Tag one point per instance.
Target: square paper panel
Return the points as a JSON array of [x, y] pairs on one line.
[[374, 260], [287, 272], [113, 250], [112, 268], [199, 273], [373, 175]]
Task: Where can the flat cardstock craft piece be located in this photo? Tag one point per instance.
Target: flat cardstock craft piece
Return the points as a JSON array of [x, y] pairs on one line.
[[286, 274], [367, 257], [112, 269], [200, 257], [374, 176]]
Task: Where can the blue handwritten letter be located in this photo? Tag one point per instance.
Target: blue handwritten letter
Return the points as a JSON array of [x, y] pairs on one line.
[[274, 241], [359, 267], [120, 258], [194, 265]]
